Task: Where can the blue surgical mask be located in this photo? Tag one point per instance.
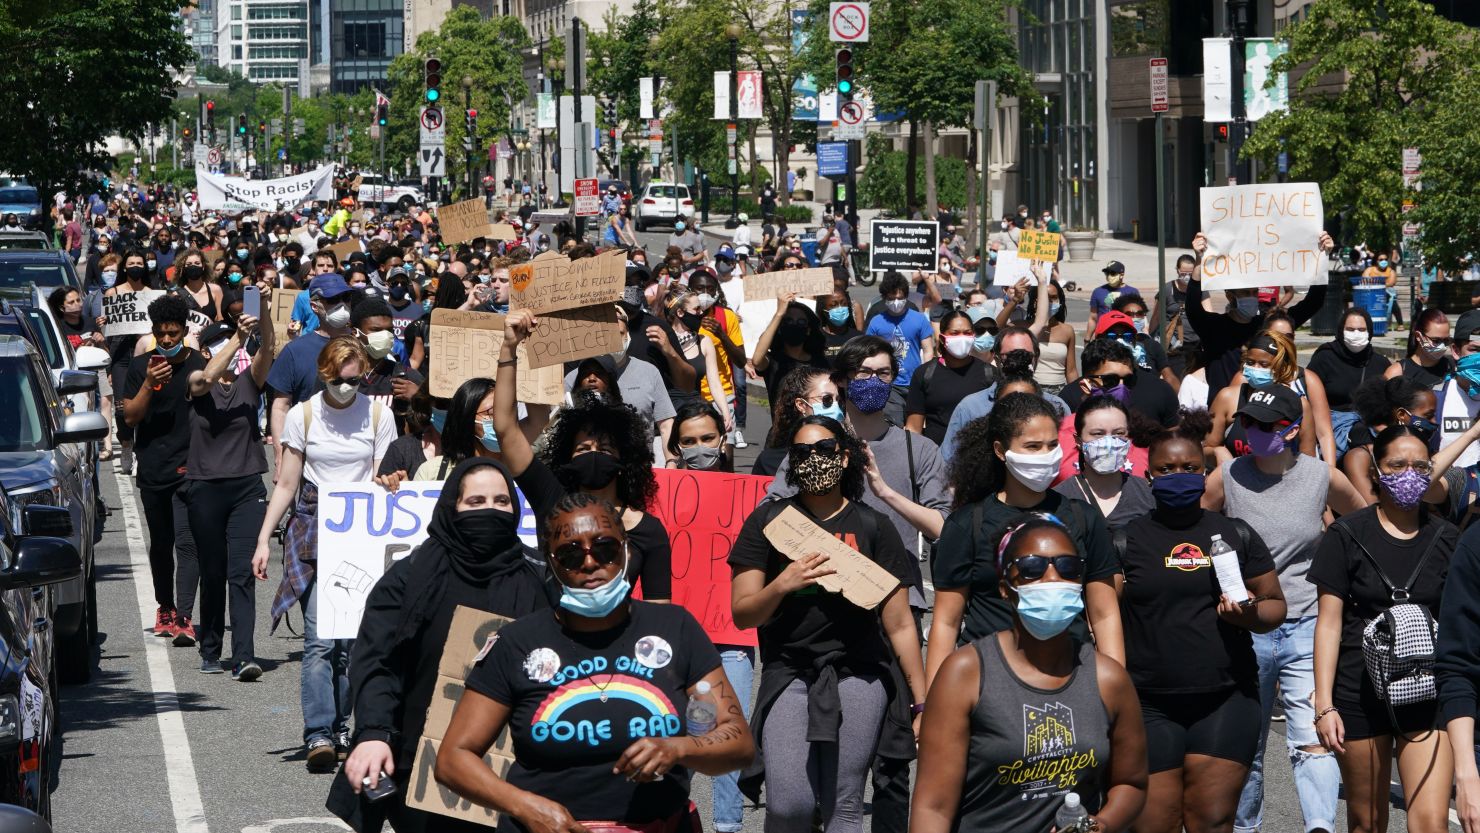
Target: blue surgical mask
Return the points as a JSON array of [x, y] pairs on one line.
[[839, 316], [833, 411], [1053, 309], [1046, 608], [678, 227], [489, 437], [598, 602], [1258, 376], [172, 352], [984, 343], [241, 254], [439, 420]]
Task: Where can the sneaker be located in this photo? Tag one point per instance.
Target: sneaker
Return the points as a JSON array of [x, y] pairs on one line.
[[740, 440], [342, 745], [321, 757], [184, 632], [211, 666], [164, 622], [246, 672]]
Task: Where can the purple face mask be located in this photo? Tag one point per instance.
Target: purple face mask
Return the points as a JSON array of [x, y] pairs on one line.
[[1119, 392], [1266, 443], [1406, 488]]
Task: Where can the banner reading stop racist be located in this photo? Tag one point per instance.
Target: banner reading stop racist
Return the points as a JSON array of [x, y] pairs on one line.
[[1262, 235]]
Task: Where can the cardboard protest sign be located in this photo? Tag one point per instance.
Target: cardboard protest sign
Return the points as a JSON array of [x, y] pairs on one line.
[[464, 221], [574, 334], [1042, 246], [195, 321], [703, 512], [342, 251], [858, 579], [363, 529], [1262, 235], [281, 311], [1012, 268], [501, 231], [552, 282], [806, 283], [211, 256], [128, 312], [465, 345], [472, 633]]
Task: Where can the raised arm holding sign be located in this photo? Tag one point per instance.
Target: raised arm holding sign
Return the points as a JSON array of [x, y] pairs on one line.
[[1262, 235]]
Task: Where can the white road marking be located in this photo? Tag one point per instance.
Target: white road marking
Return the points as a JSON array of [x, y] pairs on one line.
[[179, 766], [274, 824]]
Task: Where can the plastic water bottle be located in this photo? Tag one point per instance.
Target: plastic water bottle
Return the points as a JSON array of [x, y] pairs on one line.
[[1071, 817], [1225, 567], [702, 711]]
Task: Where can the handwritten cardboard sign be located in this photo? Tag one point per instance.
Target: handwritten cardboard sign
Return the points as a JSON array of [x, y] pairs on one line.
[[1262, 235], [501, 231], [211, 257], [472, 630], [573, 334], [552, 282], [463, 222], [858, 579], [128, 312], [806, 283], [465, 345], [363, 529], [281, 311], [1042, 246], [703, 512]]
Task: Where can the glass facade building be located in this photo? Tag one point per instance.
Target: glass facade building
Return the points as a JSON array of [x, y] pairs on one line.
[[364, 35], [1058, 163]]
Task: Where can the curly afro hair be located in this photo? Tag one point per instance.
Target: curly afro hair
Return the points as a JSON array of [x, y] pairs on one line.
[[629, 435], [852, 484]]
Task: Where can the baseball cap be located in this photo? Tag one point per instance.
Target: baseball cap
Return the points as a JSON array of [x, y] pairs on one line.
[[327, 286], [1114, 267], [1111, 319], [1467, 328], [1272, 403], [725, 252]]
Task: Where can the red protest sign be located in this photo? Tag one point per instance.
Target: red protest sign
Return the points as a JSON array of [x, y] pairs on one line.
[[703, 512]]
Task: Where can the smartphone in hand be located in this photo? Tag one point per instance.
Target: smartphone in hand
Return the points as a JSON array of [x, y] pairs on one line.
[[157, 359], [252, 301]]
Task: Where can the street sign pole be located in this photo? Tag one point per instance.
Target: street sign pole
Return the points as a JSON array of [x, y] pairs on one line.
[[986, 104], [1159, 105]]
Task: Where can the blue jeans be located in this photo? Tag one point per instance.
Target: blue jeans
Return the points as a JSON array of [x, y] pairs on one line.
[[739, 666], [324, 686], [1286, 656]]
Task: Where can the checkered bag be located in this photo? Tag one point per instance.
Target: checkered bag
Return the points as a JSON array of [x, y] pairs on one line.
[[1398, 648]]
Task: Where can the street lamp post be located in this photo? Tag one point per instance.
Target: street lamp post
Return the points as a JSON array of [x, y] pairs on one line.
[[467, 85], [732, 31], [1238, 20]]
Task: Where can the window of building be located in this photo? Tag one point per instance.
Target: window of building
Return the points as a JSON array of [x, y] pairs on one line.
[[236, 12], [365, 39]]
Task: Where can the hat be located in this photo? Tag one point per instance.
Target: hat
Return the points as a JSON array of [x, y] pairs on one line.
[[1272, 403], [638, 274], [213, 334], [1467, 328], [726, 252], [743, 218], [1111, 319], [978, 313], [1114, 267], [347, 202], [327, 286]]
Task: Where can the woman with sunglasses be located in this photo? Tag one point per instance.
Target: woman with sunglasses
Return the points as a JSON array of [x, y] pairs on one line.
[[804, 392], [1187, 636], [595, 446], [594, 696], [1390, 553], [820, 653], [1003, 466], [685, 314], [1428, 360], [336, 436], [792, 339], [472, 558], [1031, 698], [1269, 360]]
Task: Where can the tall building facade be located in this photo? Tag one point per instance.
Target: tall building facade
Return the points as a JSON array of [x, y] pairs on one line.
[[264, 40], [363, 36]]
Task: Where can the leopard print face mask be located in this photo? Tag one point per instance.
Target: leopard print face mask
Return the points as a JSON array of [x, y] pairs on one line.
[[819, 473]]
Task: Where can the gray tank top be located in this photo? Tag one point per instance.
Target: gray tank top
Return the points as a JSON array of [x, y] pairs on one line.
[[1285, 511], [1029, 746]]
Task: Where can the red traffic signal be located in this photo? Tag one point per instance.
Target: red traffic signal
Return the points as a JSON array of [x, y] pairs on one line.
[[472, 114], [1220, 132], [210, 106]]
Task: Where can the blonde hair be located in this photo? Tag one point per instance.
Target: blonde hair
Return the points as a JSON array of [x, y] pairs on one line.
[[341, 350], [1285, 364]]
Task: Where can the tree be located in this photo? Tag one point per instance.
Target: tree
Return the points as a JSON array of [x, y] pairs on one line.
[[83, 70], [619, 57], [691, 47], [1404, 68], [1448, 213]]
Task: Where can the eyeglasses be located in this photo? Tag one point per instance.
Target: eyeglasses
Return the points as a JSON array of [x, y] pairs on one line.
[[1034, 567], [828, 446], [346, 380], [1437, 342], [885, 373], [1279, 426], [572, 556], [1420, 466], [1110, 380], [791, 264], [826, 400]]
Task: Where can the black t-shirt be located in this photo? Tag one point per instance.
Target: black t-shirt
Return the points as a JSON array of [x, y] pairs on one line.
[[1151, 396], [1429, 377], [937, 388], [649, 552], [1340, 567], [225, 440], [965, 558], [1156, 357], [1343, 371], [578, 700], [76, 336], [1223, 338], [162, 439], [1175, 642], [405, 454], [813, 622], [835, 341]]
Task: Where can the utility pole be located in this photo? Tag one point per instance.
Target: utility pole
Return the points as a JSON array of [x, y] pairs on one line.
[[470, 137], [986, 106], [575, 67], [732, 32], [1238, 23], [287, 126]]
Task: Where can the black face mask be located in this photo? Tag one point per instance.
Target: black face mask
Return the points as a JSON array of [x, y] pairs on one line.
[[792, 333], [591, 470], [137, 274], [490, 530], [399, 292], [691, 320], [193, 273]]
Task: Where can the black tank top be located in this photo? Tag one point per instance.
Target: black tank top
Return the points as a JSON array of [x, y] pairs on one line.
[[1429, 377], [208, 308]]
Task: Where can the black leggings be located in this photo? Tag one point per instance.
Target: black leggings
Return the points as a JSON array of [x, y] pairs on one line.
[[225, 516], [1222, 724], [169, 533]]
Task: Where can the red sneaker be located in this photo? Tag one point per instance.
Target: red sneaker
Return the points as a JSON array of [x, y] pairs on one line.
[[164, 622], [184, 632]]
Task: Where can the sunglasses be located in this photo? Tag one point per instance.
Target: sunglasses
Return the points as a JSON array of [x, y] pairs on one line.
[[346, 380], [572, 556], [1110, 380], [1271, 427], [826, 400], [1034, 567], [1437, 342], [829, 446], [791, 264]]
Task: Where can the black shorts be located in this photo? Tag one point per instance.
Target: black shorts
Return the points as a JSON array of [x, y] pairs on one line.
[[1222, 724], [1365, 715]]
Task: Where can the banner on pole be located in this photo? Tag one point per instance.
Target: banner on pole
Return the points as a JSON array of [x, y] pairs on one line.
[[722, 95], [750, 92], [645, 98]]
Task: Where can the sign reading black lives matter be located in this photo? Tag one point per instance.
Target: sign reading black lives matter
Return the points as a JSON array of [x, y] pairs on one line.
[[903, 245]]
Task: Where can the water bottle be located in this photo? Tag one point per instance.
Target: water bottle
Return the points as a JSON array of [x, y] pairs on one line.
[[702, 711], [1225, 567], [1071, 817]]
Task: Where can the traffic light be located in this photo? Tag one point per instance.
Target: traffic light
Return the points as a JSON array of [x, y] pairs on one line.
[[433, 72], [187, 134], [380, 114], [211, 116], [471, 120], [845, 75], [241, 124], [609, 110], [262, 127], [1220, 132]]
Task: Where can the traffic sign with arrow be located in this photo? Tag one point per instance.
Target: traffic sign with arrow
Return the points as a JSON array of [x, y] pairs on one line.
[[433, 161]]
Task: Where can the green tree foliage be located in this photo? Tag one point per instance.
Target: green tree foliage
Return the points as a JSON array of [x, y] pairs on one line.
[[1447, 210], [80, 71], [619, 56], [691, 48], [882, 184], [1404, 70]]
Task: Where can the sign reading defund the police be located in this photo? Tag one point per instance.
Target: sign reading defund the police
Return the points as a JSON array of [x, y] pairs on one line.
[[363, 529], [235, 195], [1262, 235]]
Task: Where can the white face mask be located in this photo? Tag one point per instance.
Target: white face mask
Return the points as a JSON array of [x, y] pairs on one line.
[[1356, 339], [337, 316], [341, 393], [959, 346], [895, 305], [378, 345], [1036, 471]]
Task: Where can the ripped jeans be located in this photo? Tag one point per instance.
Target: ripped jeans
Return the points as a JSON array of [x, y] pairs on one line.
[[1286, 656]]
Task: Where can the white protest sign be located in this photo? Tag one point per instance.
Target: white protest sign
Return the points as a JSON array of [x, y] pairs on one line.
[[1262, 235], [128, 312], [1011, 269], [363, 529]]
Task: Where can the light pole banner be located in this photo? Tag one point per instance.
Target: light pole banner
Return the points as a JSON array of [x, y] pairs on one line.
[[1259, 54], [234, 194], [750, 93], [1262, 235], [645, 98], [1217, 80], [722, 95], [544, 117]]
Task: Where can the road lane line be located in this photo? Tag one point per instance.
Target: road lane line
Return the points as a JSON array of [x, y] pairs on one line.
[[179, 765]]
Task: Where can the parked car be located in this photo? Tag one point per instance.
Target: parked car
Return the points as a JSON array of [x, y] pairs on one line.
[[21, 820], [58, 351], [24, 240], [662, 203], [21, 268], [398, 196], [47, 458], [22, 201]]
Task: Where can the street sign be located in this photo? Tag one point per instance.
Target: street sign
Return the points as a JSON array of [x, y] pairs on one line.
[[433, 160], [832, 159], [1408, 204], [848, 22], [1412, 160], [375, 131], [851, 112], [213, 157], [587, 198], [1410, 229], [433, 126], [1159, 100], [843, 132]]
